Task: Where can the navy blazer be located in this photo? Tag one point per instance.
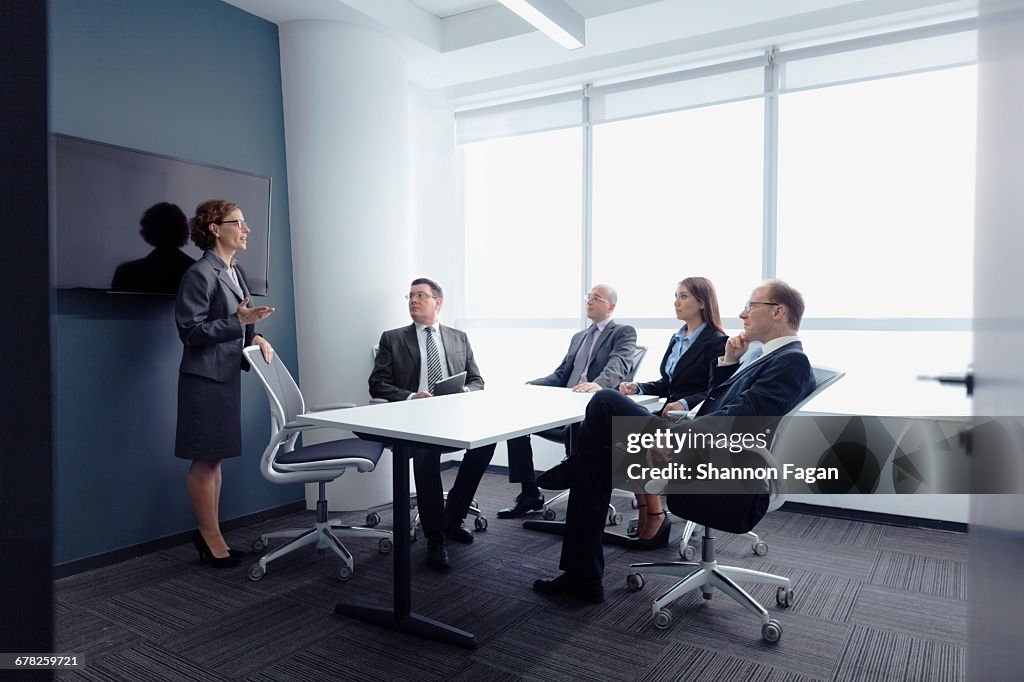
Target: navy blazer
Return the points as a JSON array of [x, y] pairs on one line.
[[612, 359], [396, 369], [770, 387], [205, 313], [689, 380]]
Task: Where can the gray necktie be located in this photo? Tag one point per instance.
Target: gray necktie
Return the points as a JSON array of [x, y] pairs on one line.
[[582, 357], [434, 373]]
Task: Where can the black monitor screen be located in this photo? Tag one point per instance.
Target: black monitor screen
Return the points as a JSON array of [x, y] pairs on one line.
[[118, 222]]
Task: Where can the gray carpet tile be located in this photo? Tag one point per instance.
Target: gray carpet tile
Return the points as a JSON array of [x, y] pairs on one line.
[[82, 632], [832, 531], [255, 637], [937, 544], [680, 661], [872, 654], [919, 615], [104, 582], [916, 573], [872, 602], [558, 647], [363, 653], [143, 661], [166, 607]]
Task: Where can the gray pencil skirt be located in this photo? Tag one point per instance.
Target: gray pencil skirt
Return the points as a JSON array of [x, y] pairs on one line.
[[209, 417]]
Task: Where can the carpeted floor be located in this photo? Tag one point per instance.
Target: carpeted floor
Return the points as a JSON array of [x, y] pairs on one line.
[[872, 602]]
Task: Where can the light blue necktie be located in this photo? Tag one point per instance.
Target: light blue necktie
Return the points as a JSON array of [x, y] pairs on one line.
[[752, 354]]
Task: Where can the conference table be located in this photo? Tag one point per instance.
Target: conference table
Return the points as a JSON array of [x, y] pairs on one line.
[[461, 421]]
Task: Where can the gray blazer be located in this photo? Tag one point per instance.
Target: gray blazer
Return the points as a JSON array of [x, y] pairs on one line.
[[612, 359], [207, 324], [396, 369]]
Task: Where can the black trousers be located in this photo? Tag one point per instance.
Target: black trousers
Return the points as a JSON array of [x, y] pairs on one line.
[[582, 552], [435, 515], [520, 454]]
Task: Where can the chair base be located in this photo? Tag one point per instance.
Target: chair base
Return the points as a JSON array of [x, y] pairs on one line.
[[707, 576], [373, 516], [549, 514]]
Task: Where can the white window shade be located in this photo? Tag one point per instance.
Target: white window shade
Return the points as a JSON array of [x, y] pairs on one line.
[[675, 92], [519, 118], [804, 69]]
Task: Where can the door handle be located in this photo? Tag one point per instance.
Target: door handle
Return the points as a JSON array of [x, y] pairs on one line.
[[966, 380]]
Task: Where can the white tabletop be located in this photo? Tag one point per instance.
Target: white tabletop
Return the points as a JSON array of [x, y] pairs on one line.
[[465, 420]]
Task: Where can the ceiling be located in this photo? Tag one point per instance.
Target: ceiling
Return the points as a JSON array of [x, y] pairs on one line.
[[472, 49]]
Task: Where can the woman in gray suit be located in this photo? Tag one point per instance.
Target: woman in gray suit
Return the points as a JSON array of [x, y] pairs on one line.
[[214, 322]]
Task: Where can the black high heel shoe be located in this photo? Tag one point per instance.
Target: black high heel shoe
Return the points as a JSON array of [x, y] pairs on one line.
[[658, 540], [206, 555]]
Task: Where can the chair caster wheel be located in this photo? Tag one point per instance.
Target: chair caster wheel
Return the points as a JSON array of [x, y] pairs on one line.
[[631, 527], [688, 552], [635, 582], [771, 631], [256, 572], [760, 548], [662, 619], [614, 519], [784, 597], [385, 545], [258, 545], [344, 574], [480, 523], [372, 519], [633, 504], [414, 534], [475, 504], [549, 515]]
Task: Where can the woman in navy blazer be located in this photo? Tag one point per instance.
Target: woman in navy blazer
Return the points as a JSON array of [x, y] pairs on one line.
[[696, 304], [214, 322]]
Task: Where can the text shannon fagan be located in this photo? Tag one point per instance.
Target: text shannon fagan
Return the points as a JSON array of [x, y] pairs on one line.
[[674, 471]]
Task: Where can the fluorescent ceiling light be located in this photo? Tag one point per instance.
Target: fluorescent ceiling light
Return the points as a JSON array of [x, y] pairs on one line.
[[556, 18]]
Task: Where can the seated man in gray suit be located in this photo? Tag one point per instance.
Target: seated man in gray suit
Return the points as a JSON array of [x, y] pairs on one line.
[[410, 361], [599, 357]]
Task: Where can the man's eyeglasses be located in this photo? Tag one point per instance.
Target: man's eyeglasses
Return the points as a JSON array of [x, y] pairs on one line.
[[595, 297], [750, 304], [240, 224], [419, 296]]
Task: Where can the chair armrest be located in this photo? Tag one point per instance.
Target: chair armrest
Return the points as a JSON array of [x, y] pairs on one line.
[[297, 426], [331, 406], [377, 401]]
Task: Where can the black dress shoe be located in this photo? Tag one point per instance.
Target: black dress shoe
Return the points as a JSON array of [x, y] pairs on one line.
[[206, 554], [523, 506], [237, 552], [567, 586], [457, 531], [437, 553], [558, 477], [656, 541]]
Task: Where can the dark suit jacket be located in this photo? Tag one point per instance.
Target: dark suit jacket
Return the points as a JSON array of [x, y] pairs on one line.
[[689, 380], [207, 324], [612, 359], [396, 369], [771, 387]]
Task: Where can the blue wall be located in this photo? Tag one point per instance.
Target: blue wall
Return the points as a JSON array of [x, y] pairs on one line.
[[197, 80]]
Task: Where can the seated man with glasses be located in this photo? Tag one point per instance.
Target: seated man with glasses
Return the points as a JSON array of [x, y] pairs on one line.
[[599, 357], [411, 360], [743, 384]]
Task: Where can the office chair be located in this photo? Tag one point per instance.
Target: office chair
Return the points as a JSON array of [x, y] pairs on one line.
[[561, 435], [322, 463], [823, 378], [373, 513], [734, 513]]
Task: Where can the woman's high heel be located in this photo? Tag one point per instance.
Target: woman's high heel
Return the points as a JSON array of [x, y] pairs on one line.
[[658, 540], [206, 555]]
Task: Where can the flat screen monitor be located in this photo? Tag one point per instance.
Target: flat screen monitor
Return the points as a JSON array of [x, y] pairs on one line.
[[103, 192]]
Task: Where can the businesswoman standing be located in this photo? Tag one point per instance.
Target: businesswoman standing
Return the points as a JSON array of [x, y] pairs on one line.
[[214, 322], [685, 370]]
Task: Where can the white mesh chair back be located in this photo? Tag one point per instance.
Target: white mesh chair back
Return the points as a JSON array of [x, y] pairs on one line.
[[283, 393], [638, 357]]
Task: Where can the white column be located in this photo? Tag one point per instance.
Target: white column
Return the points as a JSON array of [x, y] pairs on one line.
[[347, 136]]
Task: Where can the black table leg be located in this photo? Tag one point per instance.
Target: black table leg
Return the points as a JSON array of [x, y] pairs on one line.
[[401, 618]]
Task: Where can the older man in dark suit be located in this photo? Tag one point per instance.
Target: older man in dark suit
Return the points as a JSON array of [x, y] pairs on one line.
[[410, 361], [768, 383], [600, 356]]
